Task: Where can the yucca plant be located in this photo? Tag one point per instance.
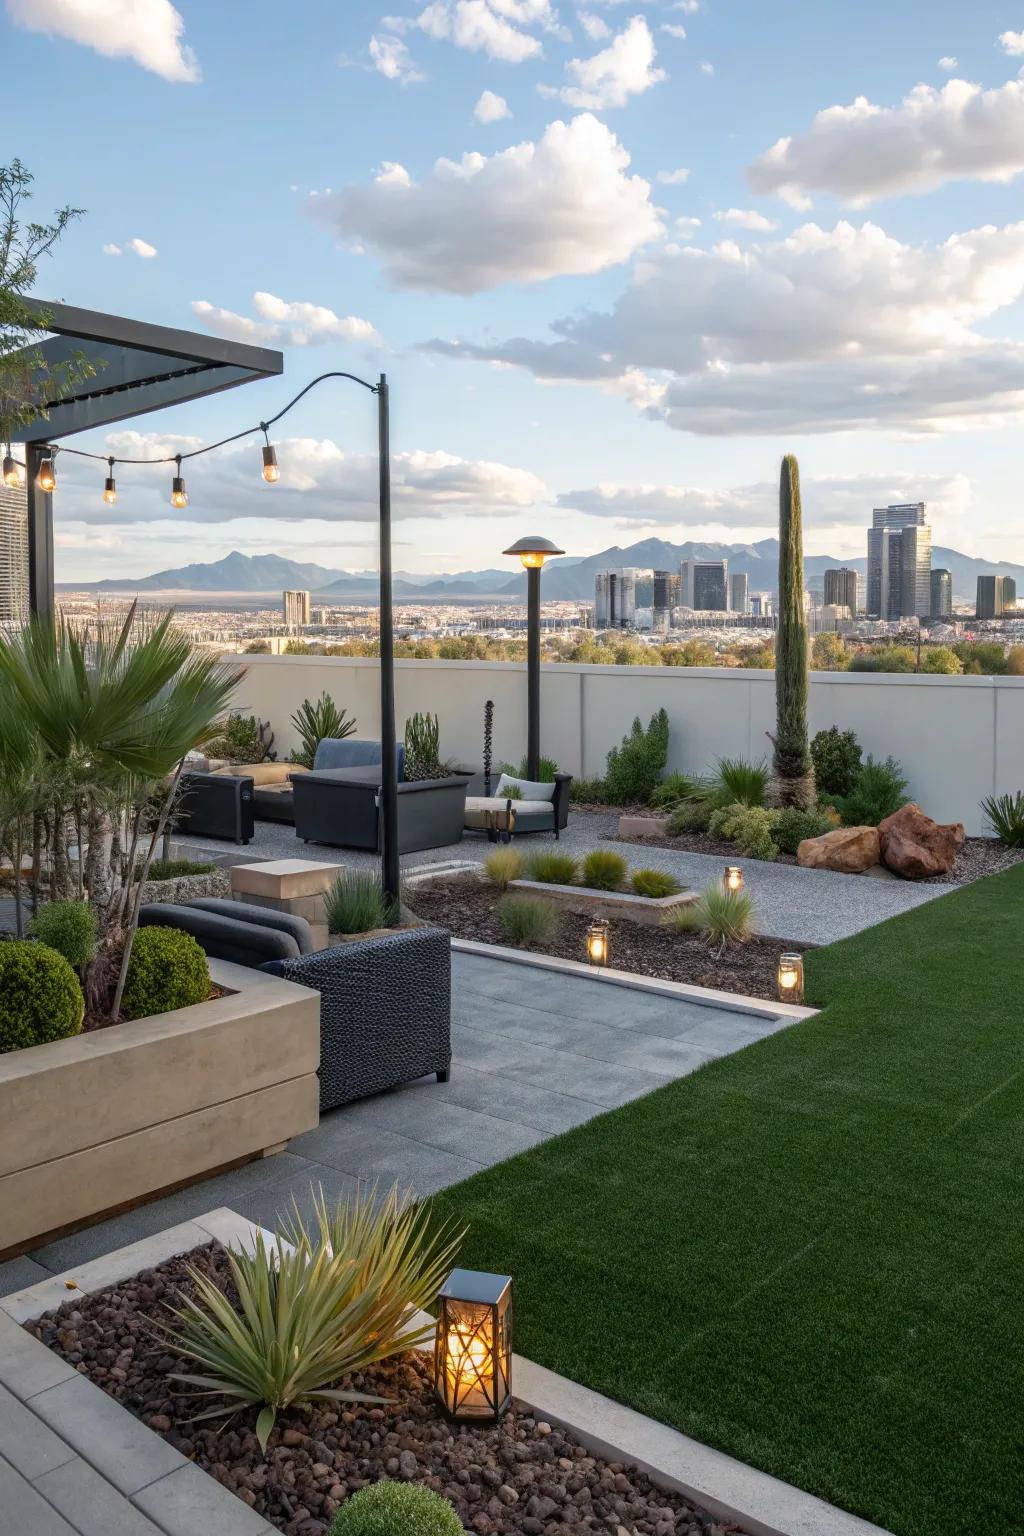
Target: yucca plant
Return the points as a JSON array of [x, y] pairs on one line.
[[315, 723], [739, 782], [1005, 815], [334, 1298], [423, 748], [726, 917]]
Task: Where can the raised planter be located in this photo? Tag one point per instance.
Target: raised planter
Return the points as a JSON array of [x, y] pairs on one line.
[[622, 904], [185, 888], [114, 1116], [643, 826]]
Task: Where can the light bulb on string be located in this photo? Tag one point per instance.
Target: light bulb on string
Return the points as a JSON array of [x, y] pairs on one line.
[[46, 478], [11, 472], [179, 495], [271, 473], [109, 486]]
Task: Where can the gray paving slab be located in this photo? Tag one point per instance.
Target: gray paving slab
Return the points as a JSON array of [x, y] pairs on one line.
[[385, 1156], [18, 1274], [449, 1127], [525, 1104], [190, 1503], [106, 1435], [24, 1511], [28, 1445], [91, 1504], [26, 1365], [273, 1204]]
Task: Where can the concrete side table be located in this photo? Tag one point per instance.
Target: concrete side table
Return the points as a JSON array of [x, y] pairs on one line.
[[298, 886]]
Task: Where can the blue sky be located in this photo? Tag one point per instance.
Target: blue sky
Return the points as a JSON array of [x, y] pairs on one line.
[[581, 339]]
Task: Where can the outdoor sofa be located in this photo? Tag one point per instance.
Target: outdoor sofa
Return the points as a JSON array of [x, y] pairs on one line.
[[532, 807]]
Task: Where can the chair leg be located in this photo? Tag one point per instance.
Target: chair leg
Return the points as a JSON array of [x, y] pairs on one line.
[[443, 1077]]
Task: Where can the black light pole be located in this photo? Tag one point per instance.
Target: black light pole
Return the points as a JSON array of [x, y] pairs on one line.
[[390, 872], [533, 552]]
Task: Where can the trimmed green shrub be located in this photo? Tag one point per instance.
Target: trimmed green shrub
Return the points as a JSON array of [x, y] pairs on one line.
[[545, 775], [750, 827], [691, 816], [396, 1509], [603, 870], [635, 769], [40, 998], [355, 903], [725, 916], [878, 792], [673, 789], [654, 882], [529, 920], [552, 868], [177, 869], [503, 866], [794, 826], [167, 970], [588, 792], [1005, 815], [70, 928], [837, 761]]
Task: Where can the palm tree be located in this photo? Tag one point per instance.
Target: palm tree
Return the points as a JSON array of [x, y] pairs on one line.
[[113, 710]]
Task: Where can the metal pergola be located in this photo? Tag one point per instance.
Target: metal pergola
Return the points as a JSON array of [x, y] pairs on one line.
[[138, 368]]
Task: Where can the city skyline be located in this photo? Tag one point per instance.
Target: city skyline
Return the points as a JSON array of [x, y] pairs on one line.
[[561, 240]]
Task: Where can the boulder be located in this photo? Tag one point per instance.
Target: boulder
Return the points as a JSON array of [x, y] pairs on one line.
[[850, 850], [915, 846]]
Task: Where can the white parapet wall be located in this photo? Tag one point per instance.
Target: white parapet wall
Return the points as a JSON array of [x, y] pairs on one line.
[[958, 738]]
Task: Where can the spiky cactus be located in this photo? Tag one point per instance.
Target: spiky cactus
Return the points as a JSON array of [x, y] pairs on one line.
[[794, 770], [422, 747]]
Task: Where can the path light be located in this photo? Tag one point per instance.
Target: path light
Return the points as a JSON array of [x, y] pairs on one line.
[[597, 942], [733, 878], [791, 978], [473, 1345]]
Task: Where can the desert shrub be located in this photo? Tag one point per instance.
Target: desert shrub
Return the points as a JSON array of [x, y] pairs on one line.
[[40, 997], [69, 927], [603, 870], [176, 869], [750, 827], [588, 792], [685, 919], [837, 761], [1005, 815], [513, 792], [529, 920], [503, 866], [546, 774], [690, 816], [340, 1296], [552, 868], [355, 903], [673, 789], [725, 916], [878, 792], [167, 970], [634, 769], [737, 782], [654, 882], [423, 748], [794, 825], [314, 723], [245, 739], [396, 1509]]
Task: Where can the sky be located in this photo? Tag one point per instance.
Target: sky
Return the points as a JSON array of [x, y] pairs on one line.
[[616, 258]]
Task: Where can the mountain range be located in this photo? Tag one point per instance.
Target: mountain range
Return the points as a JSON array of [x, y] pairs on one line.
[[565, 578]]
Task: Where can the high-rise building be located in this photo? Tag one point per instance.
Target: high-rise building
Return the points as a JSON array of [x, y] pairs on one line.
[[704, 584], [666, 595], [761, 605], [899, 561], [602, 599], [996, 595], [13, 555], [627, 596], [841, 588], [296, 608], [942, 593], [738, 584], [916, 572]]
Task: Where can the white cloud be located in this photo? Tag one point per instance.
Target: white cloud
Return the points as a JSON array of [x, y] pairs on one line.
[[491, 108], [290, 324], [609, 78], [707, 68], [825, 330], [596, 28], [390, 57], [949, 62], [111, 250], [148, 31], [673, 29], [562, 205], [1012, 43], [746, 218], [486, 26], [142, 248], [319, 479], [686, 225], [863, 151], [674, 178]]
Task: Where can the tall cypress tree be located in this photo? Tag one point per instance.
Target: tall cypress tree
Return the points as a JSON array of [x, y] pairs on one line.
[[794, 770]]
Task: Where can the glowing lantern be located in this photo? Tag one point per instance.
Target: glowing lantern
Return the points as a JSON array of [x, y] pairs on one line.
[[473, 1345]]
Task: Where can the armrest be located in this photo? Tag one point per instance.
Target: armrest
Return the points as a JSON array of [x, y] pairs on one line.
[[454, 783]]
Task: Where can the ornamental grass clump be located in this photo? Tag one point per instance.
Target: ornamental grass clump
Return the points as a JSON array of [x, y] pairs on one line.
[[604, 870], [725, 917], [177, 869], [396, 1509], [355, 903], [503, 866], [40, 996], [655, 883], [552, 868], [331, 1305], [527, 921]]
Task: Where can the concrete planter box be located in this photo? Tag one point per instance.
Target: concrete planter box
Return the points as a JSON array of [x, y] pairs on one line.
[[112, 1117], [622, 904], [643, 826]]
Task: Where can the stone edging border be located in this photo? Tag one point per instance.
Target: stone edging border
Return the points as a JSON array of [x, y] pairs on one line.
[[728, 1488]]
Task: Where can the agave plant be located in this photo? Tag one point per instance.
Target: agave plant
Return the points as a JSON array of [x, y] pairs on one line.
[[314, 722], [333, 1298]]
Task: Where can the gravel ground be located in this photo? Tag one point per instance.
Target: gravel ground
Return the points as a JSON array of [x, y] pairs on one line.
[[518, 1476], [468, 909]]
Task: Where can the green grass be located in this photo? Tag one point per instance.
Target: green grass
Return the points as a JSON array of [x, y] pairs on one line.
[[810, 1254]]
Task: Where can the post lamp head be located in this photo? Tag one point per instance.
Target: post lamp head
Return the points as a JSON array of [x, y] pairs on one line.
[[597, 942], [733, 878], [473, 1345], [791, 978], [533, 551]]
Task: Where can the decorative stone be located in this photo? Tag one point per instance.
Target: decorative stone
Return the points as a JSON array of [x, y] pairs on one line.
[[915, 846], [849, 850], [283, 879]]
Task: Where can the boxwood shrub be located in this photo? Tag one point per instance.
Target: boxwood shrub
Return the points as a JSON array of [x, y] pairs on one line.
[[167, 970], [40, 998]]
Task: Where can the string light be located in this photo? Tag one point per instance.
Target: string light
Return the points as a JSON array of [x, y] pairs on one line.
[[271, 473], [109, 487], [179, 495], [11, 472], [46, 479]]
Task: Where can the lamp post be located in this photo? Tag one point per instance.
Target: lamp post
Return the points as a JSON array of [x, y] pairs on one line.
[[533, 551]]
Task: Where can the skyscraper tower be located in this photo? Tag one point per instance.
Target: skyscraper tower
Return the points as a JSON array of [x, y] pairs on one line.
[[841, 588], [899, 561], [942, 593], [13, 555], [738, 585]]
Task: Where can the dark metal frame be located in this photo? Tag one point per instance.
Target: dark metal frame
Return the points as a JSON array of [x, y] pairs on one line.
[[478, 1305]]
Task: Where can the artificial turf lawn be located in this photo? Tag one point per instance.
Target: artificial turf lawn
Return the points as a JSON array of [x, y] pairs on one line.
[[811, 1253]]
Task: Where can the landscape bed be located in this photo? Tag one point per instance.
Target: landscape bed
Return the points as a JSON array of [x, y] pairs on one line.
[[519, 1476], [801, 1254], [467, 907]]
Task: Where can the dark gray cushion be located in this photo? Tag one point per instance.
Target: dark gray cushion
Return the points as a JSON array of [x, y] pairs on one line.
[[222, 938], [266, 917]]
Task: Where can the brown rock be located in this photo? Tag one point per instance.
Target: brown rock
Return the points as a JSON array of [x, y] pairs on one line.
[[850, 850], [915, 846]]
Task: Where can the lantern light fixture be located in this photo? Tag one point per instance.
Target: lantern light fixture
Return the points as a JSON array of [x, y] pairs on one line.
[[791, 978], [473, 1345], [11, 472], [733, 878], [46, 478], [533, 551], [179, 495], [110, 485], [271, 473], [597, 942]]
